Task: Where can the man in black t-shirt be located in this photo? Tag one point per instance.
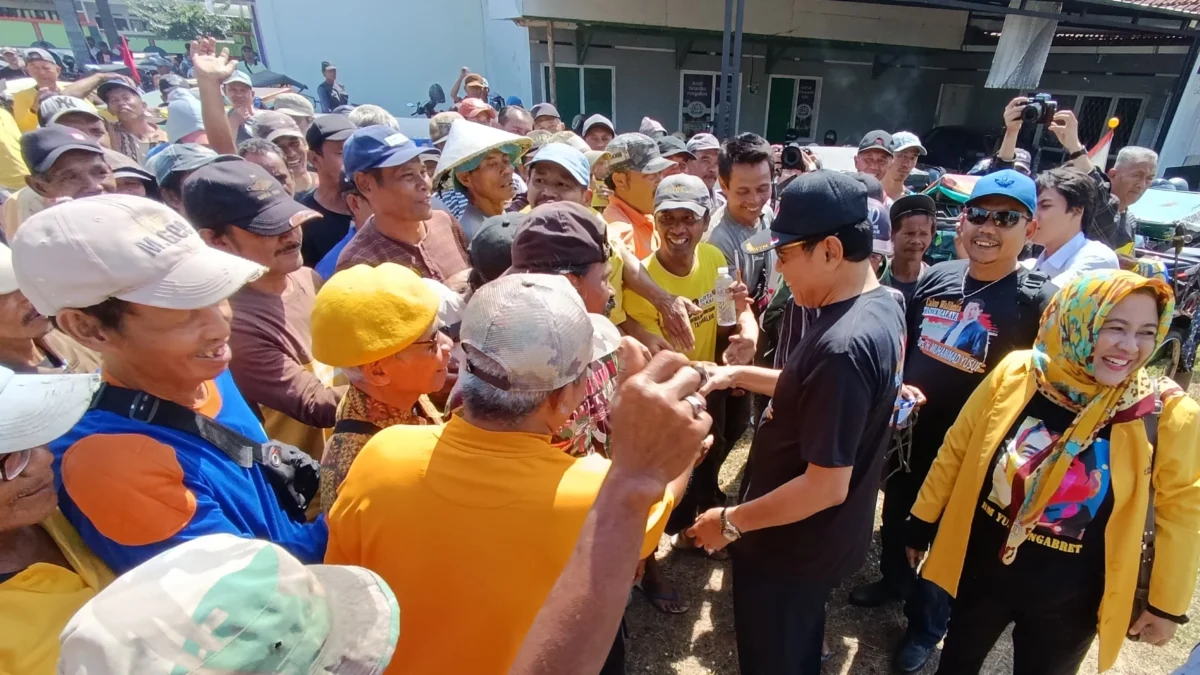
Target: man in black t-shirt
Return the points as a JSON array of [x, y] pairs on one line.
[[808, 497], [12, 69], [325, 139], [964, 317]]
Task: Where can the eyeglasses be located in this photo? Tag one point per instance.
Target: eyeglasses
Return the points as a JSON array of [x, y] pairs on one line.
[[1003, 219], [433, 342], [13, 463]]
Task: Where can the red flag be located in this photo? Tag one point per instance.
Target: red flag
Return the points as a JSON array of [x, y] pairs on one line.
[[127, 57]]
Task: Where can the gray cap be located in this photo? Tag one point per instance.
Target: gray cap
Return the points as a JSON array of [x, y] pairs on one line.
[[636, 153], [38, 54], [294, 105], [682, 191], [183, 157], [53, 108], [544, 110], [239, 76], [532, 333], [703, 142], [598, 120]]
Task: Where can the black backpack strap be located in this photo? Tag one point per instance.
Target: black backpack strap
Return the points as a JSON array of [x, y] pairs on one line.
[[356, 427], [1030, 287], [143, 407]]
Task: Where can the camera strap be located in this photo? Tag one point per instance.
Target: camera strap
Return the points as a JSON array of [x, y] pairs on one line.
[[142, 407]]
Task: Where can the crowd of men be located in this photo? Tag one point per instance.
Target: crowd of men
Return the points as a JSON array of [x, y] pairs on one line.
[[477, 380]]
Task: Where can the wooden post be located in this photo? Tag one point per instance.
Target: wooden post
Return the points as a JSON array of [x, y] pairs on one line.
[[553, 95]]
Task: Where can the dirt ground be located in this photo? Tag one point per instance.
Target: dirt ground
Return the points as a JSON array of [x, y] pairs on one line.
[[701, 642]]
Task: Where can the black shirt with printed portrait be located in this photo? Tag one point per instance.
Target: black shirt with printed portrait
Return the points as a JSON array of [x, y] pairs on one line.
[[958, 330], [833, 408]]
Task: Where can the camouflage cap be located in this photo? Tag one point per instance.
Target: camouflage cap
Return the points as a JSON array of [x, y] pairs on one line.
[[636, 153], [532, 333], [222, 604]]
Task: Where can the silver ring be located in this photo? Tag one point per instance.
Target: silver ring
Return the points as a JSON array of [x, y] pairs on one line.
[[698, 404]]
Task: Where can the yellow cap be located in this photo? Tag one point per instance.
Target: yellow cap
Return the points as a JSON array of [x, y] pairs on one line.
[[364, 314]]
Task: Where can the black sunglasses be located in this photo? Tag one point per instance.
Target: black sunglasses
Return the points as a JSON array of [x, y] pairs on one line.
[[1003, 219]]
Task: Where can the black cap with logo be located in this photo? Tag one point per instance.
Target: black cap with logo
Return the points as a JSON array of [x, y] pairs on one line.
[[814, 204], [243, 195], [876, 140], [41, 148]]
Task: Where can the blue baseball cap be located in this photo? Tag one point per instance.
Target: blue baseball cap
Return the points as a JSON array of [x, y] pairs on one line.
[[376, 147], [568, 158], [1007, 183]]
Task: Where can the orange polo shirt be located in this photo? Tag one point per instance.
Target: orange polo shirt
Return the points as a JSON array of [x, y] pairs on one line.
[[635, 229], [471, 529]]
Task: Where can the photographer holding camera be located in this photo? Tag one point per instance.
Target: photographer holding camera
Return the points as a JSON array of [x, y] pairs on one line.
[[1116, 190]]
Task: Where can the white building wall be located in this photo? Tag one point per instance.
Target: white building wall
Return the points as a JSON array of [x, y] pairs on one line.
[[388, 52]]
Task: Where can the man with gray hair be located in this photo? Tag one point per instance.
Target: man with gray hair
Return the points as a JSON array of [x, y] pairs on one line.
[[1116, 190], [516, 120], [484, 511], [369, 114]]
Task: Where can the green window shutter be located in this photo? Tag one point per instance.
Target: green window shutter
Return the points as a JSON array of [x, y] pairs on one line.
[[597, 92], [779, 108]]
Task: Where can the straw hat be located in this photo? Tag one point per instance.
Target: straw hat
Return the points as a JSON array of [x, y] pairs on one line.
[[469, 142]]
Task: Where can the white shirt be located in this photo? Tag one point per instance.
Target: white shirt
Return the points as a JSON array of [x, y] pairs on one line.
[[1077, 256]]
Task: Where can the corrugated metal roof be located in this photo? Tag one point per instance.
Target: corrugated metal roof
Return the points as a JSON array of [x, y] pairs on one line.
[[1191, 7]]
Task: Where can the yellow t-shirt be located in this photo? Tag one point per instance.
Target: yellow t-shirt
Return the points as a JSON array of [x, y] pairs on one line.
[[12, 166], [616, 280], [37, 603], [471, 529], [23, 113], [699, 287]]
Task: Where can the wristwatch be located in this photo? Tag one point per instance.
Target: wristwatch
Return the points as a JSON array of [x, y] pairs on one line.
[[728, 530], [1075, 155]]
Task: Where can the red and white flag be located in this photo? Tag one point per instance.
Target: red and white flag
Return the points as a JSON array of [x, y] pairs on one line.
[[127, 57], [1099, 152]]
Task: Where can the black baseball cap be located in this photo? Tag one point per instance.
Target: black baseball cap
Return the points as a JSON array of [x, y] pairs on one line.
[[814, 204], [876, 140], [331, 127], [244, 195], [491, 247], [558, 235], [669, 146], [910, 204], [42, 147]]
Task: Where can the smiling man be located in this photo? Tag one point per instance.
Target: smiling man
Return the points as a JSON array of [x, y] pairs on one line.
[[135, 283], [240, 209], [964, 317], [386, 169], [282, 130], [63, 163]]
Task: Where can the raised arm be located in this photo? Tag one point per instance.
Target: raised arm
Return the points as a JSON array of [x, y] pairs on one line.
[[212, 69]]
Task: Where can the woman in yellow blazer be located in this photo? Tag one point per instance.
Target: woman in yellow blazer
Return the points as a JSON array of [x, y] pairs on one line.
[[1041, 489]]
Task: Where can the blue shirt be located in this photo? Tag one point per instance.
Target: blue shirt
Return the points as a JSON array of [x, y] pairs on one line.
[[134, 490], [328, 265]]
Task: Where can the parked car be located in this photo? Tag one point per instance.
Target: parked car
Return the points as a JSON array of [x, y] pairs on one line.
[[958, 148]]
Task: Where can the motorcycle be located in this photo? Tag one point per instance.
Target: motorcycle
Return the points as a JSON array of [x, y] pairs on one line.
[[429, 108]]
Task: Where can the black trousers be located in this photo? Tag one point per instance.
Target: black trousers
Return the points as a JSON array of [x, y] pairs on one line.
[[615, 663], [731, 416], [780, 623], [926, 605], [1051, 633]]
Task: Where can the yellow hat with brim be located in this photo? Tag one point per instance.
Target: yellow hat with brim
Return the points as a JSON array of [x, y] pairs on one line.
[[365, 313]]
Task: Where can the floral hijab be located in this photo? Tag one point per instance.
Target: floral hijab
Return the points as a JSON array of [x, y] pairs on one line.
[[1062, 359]]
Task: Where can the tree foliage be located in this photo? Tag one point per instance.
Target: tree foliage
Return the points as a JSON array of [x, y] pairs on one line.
[[181, 20]]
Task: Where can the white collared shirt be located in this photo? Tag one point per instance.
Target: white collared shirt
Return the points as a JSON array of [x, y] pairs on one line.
[[1077, 256]]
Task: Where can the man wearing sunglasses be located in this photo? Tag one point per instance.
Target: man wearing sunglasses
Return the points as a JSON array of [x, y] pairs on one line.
[[46, 572], [965, 315], [380, 326]]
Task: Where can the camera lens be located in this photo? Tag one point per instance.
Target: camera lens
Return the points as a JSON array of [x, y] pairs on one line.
[[1032, 112], [791, 157]]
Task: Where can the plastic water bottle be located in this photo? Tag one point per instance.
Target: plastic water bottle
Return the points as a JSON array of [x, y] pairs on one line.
[[726, 311]]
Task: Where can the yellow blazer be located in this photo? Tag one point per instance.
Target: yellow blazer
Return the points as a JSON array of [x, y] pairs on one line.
[[951, 493]]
